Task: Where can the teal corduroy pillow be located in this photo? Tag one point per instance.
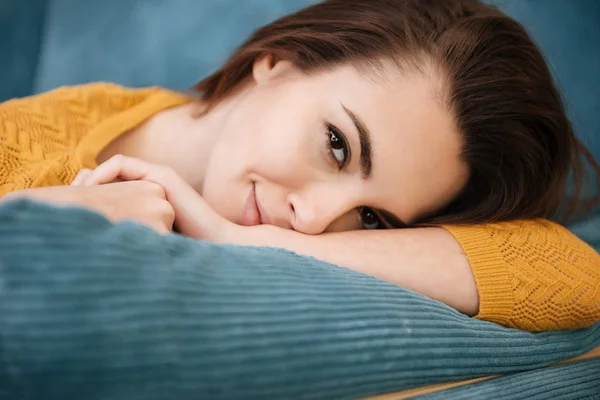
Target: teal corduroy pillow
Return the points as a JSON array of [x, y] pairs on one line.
[[92, 310]]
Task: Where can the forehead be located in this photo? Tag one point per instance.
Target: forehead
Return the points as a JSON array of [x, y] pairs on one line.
[[417, 167]]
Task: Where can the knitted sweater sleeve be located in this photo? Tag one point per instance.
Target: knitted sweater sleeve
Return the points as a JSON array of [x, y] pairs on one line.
[[533, 275]]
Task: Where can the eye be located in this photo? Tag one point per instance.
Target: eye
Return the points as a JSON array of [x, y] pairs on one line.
[[337, 146], [369, 218]]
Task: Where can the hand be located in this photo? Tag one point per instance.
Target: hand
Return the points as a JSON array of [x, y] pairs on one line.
[[144, 202], [193, 216]]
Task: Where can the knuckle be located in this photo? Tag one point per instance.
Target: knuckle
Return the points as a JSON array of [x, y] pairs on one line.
[[168, 213], [167, 209], [148, 186], [128, 162], [160, 191], [154, 189], [118, 158]]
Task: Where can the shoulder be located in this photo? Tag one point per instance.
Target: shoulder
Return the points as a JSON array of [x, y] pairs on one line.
[[96, 94], [73, 108], [100, 96]]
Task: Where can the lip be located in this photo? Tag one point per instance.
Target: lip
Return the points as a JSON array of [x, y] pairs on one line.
[[251, 214], [264, 216]]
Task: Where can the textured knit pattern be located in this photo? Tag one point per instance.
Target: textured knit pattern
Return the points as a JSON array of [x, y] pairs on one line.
[[532, 275], [91, 310], [46, 139]]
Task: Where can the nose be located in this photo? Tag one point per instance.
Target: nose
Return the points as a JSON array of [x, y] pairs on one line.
[[312, 213]]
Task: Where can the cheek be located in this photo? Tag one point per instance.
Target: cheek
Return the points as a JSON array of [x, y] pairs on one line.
[[264, 150], [222, 188], [271, 135], [283, 128], [283, 148]]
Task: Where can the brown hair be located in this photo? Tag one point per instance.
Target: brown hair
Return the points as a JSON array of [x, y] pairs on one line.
[[518, 141]]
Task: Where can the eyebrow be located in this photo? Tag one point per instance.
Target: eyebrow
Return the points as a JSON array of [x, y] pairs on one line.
[[364, 137]]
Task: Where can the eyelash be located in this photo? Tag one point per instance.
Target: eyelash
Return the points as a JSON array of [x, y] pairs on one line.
[[332, 129]]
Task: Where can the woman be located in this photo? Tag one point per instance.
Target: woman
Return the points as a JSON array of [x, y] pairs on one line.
[[438, 116]]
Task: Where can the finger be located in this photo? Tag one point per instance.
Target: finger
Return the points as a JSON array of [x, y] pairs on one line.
[[133, 169], [193, 216], [123, 168], [81, 176], [118, 168]]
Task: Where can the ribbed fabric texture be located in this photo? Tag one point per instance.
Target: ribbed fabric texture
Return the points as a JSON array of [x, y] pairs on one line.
[[576, 381], [90, 310], [532, 275]]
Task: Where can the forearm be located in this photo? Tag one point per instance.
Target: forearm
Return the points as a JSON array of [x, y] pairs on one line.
[[426, 260]]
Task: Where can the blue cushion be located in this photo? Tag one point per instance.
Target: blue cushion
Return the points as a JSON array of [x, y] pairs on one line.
[[569, 34], [21, 28], [91, 310], [141, 43]]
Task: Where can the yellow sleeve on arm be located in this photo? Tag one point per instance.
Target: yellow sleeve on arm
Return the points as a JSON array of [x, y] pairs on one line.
[[533, 275]]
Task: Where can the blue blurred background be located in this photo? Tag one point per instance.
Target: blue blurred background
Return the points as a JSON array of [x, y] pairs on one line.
[[174, 43]]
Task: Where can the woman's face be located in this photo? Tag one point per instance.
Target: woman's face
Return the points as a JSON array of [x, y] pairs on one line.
[[334, 150]]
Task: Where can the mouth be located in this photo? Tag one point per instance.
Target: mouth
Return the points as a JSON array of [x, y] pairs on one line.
[[251, 214]]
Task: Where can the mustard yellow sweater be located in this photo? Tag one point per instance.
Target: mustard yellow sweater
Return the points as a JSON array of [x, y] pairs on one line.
[[532, 275]]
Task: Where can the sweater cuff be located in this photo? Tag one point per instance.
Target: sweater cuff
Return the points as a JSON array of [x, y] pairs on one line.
[[493, 280]]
